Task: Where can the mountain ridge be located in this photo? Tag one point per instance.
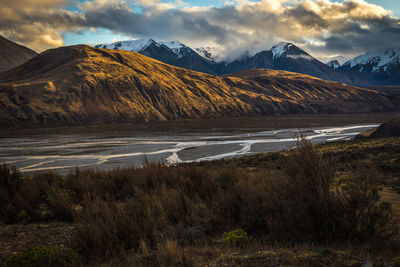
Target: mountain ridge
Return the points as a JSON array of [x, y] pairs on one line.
[[80, 84], [13, 54]]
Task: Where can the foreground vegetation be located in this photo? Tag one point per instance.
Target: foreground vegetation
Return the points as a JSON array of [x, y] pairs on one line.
[[266, 209]]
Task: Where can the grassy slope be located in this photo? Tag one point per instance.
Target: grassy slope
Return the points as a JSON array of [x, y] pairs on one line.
[[82, 84]]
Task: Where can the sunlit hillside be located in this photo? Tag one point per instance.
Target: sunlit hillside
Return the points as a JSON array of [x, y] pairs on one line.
[[81, 84]]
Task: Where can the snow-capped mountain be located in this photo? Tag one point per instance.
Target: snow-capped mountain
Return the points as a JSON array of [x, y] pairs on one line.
[[283, 56], [336, 62], [140, 45], [374, 62], [289, 57], [171, 52], [280, 49], [130, 45], [207, 53], [383, 66], [175, 46]]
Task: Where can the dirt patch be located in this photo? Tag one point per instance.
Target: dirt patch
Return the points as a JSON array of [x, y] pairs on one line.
[[18, 237]]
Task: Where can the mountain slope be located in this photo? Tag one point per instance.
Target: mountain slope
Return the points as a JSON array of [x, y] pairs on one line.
[[13, 54], [81, 84]]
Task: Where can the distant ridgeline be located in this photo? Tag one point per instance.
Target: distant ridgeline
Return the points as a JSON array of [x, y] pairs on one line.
[[379, 68]]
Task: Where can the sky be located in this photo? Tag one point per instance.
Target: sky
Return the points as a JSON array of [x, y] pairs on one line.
[[324, 28]]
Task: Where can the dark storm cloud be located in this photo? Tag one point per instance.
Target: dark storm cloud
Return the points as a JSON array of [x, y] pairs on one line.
[[305, 17], [376, 35], [160, 24], [337, 43]]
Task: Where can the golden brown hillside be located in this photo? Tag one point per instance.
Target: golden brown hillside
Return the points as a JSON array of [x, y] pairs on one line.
[[82, 84]]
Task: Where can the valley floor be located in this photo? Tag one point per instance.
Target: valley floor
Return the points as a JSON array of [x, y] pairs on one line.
[[121, 145]]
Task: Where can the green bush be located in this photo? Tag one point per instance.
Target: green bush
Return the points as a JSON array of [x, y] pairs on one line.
[[60, 203], [23, 217], [44, 256], [237, 238]]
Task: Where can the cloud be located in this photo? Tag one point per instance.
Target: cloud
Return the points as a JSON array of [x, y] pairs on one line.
[[348, 27], [149, 2], [301, 56], [322, 27], [39, 24]]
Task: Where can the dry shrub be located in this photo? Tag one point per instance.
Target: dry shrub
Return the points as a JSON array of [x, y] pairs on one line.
[[310, 209], [103, 229], [157, 203], [169, 253], [365, 218], [24, 195], [143, 249], [308, 205]]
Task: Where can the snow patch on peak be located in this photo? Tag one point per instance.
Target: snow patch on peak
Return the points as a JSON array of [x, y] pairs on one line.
[[280, 49], [208, 53], [141, 44], [336, 62], [175, 46], [130, 45], [333, 64], [172, 44], [340, 59]]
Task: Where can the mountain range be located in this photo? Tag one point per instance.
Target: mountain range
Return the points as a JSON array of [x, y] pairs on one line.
[[81, 84], [173, 52], [381, 68]]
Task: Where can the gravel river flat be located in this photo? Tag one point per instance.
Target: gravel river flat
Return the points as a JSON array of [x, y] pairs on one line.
[[110, 146]]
